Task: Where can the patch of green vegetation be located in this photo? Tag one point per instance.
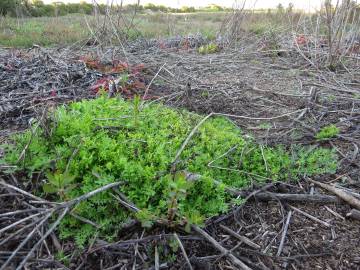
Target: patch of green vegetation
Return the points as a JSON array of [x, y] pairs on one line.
[[327, 132], [209, 48], [258, 28], [41, 31], [61, 257], [205, 93], [96, 142]]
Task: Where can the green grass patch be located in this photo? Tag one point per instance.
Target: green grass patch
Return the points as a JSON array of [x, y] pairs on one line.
[[44, 31], [92, 143], [327, 132]]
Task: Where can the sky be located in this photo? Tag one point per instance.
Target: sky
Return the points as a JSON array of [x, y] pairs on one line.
[[302, 4]]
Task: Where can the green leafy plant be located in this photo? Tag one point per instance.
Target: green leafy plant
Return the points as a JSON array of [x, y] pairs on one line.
[[174, 244], [112, 146], [59, 183], [136, 109], [177, 192], [209, 48], [327, 132], [65, 259], [146, 218]]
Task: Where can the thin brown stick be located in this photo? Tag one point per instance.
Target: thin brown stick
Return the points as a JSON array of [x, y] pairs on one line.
[[260, 118], [49, 231], [157, 261], [2, 182], [23, 243], [183, 251], [240, 237], [340, 193], [191, 134], [148, 86], [223, 250], [334, 213], [310, 217], [283, 235], [22, 220], [304, 198]]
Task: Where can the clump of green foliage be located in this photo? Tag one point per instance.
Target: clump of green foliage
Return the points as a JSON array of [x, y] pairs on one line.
[[96, 142], [209, 48], [327, 132]]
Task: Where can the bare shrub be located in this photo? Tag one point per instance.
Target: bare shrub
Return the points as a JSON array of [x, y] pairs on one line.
[[331, 35], [115, 26], [232, 26]]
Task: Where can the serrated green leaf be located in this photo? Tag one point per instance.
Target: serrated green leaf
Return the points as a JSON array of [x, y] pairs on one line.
[[49, 188]]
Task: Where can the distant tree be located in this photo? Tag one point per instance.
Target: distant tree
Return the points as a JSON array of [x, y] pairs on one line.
[[60, 8], [290, 8], [14, 7], [37, 9], [186, 9], [132, 7], [151, 7], [162, 8], [280, 8], [86, 8], [214, 7], [7, 7]]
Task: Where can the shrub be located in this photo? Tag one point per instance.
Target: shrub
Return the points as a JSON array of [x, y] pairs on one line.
[[92, 143], [327, 132]]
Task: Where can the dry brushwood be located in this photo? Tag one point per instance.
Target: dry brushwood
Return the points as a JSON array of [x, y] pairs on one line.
[[39, 219], [223, 250]]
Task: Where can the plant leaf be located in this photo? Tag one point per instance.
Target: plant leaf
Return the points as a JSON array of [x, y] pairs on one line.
[[49, 188]]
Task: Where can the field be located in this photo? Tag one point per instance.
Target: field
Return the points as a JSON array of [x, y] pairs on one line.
[[50, 31], [180, 141]]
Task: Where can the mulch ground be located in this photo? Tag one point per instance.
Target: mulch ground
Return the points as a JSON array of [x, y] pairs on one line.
[[275, 98]]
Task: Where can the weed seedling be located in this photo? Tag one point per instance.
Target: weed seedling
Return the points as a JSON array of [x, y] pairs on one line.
[[209, 48]]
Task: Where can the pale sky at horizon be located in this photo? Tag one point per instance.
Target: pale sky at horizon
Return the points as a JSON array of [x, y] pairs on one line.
[[301, 4]]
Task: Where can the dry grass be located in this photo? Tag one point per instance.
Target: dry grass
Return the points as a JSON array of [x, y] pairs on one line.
[[47, 31]]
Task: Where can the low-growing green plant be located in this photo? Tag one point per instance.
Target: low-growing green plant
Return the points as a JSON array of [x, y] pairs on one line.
[[59, 183], [97, 142], [327, 132], [209, 48], [65, 259]]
